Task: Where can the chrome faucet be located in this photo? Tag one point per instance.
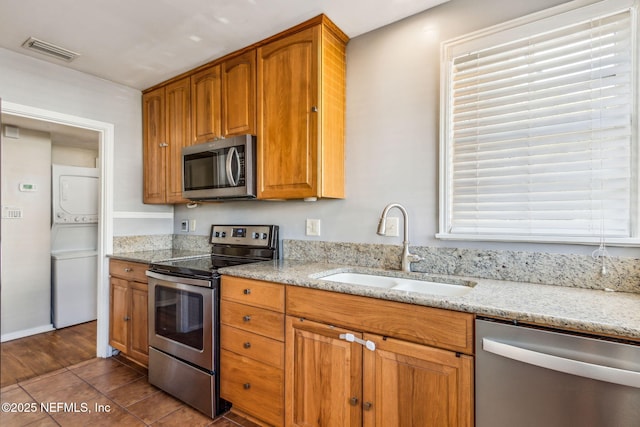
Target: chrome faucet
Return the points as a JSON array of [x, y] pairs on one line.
[[407, 257]]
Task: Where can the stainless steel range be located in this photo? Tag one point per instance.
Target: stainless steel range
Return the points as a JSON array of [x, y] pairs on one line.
[[184, 324]]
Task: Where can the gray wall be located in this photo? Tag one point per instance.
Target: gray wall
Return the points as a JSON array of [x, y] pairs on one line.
[[39, 84], [393, 82]]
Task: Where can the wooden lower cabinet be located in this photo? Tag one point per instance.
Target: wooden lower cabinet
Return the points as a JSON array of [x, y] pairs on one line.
[[128, 310], [396, 376], [323, 376], [407, 384], [319, 371], [331, 381], [252, 348]]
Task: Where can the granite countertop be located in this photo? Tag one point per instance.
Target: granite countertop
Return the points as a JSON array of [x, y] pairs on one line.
[[148, 257], [591, 311]]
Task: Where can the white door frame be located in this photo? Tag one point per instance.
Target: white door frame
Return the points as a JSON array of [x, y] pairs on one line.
[[105, 222]]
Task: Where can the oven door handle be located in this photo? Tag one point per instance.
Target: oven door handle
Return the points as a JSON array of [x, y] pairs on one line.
[[179, 280], [561, 364]]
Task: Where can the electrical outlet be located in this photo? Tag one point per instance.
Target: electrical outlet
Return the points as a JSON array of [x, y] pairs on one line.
[[313, 227], [392, 223], [184, 225], [192, 225]]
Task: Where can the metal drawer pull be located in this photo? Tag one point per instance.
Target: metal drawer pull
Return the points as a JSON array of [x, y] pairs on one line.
[[367, 405], [561, 364], [353, 401], [127, 318], [370, 345], [128, 270], [246, 318], [246, 386], [247, 345], [247, 291]]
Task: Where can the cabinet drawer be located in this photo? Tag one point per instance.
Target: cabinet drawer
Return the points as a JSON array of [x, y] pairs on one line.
[[253, 292], [133, 271], [253, 387], [251, 345], [252, 319], [436, 327]]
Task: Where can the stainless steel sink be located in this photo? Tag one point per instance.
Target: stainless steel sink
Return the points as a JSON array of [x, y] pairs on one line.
[[399, 283]]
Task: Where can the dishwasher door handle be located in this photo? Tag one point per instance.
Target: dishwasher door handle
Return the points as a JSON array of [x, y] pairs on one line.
[[561, 364]]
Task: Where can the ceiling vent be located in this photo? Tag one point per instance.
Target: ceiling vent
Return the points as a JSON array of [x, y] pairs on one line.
[[49, 49]]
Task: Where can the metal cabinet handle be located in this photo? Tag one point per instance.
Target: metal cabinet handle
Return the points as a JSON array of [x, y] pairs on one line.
[[367, 405], [247, 291], [353, 401], [163, 144], [127, 318], [128, 270], [246, 318], [247, 345], [314, 109], [246, 386]]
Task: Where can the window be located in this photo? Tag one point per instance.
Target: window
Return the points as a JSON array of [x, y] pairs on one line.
[[538, 128]]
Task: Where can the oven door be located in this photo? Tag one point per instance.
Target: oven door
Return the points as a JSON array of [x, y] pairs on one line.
[[182, 316]]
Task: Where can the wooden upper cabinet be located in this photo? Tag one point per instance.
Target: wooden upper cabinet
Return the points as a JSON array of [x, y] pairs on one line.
[[154, 136], [178, 122], [166, 129], [206, 105], [301, 103], [239, 94]]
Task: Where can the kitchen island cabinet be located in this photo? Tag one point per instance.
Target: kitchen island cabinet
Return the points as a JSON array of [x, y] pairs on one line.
[[301, 114], [128, 310]]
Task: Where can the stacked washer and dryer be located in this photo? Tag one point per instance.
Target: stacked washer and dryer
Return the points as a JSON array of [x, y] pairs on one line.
[[74, 244]]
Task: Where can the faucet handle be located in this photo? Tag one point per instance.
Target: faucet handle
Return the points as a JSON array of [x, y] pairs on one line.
[[414, 258]]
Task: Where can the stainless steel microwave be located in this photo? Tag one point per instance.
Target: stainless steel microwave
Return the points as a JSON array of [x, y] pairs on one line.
[[221, 169]]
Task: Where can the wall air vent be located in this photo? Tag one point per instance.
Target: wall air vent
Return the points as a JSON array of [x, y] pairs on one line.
[[49, 49]]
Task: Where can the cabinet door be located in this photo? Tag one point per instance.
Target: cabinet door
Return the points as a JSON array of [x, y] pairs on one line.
[[118, 314], [239, 94], [206, 109], [407, 384], [178, 135], [153, 127], [288, 117], [323, 376], [138, 324]]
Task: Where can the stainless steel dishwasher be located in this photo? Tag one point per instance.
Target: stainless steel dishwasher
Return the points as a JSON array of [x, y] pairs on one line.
[[531, 377]]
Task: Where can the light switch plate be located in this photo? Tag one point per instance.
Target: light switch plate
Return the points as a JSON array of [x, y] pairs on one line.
[[184, 225]]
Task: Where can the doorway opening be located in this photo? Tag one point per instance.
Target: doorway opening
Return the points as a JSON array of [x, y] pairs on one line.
[[105, 141]]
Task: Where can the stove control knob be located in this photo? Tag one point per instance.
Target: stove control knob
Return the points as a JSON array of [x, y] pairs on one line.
[[264, 236], [217, 234], [255, 235], [223, 234], [77, 219]]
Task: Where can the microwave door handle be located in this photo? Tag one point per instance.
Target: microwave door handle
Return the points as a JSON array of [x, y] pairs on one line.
[[233, 153]]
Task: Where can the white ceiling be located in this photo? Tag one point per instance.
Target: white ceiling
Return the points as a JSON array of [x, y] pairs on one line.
[[140, 43]]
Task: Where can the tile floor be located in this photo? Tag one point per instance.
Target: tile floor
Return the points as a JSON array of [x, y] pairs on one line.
[[99, 392]]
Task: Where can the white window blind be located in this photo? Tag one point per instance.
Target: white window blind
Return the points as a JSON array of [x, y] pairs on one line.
[[539, 132]]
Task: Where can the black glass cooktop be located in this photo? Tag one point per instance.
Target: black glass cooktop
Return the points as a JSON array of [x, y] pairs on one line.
[[205, 266]]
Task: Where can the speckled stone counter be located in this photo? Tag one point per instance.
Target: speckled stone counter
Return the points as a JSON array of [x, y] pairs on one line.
[[591, 311], [151, 256]]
